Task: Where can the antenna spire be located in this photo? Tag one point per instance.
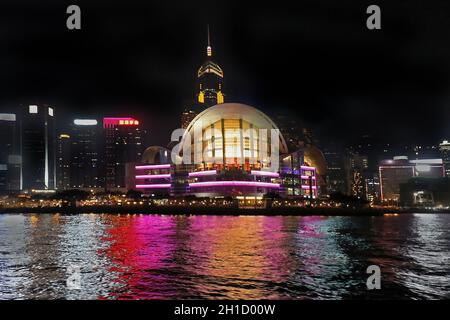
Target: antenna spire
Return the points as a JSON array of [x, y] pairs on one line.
[[208, 48]]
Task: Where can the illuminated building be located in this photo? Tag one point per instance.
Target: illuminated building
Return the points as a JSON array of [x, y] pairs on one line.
[[10, 163], [209, 87], [295, 133], [298, 137], [85, 166], [314, 157], [63, 162], [209, 81], [227, 157], [123, 144], [335, 177], [38, 148], [297, 178], [425, 192], [186, 117], [155, 168], [356, 170], [399, 170], [444, 149], [232, 154]]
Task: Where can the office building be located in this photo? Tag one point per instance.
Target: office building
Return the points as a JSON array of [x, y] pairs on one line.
[[399, 170], [63, 162], [86, 151], [444, 149], [10, 160], [123, 139], [38, 146]]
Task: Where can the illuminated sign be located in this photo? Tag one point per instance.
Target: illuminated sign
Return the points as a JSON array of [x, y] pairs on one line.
[[112, 122]]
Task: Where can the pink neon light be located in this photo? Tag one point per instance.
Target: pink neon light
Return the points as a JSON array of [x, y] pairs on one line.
[[153, 186], [153, 176], [307, 168], [203, 173], [154, 166], [111, 122], [265, 173], [234, 183], [307, 177], [307, 187]]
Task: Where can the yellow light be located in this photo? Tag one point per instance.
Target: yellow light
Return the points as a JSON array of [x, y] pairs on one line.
[[201, 97], [220, 97]]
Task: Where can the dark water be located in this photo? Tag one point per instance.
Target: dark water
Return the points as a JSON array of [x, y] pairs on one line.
[[216, 257]]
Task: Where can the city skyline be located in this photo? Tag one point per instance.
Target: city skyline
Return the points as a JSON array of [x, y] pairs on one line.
[[232, 157], [147, 62]]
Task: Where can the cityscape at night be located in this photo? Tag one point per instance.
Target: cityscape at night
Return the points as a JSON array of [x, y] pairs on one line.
[[224, 151]]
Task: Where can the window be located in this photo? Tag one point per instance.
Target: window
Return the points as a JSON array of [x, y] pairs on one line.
[[33, 109]]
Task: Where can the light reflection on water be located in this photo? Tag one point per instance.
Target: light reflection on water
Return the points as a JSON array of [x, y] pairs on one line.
[[223, 257]]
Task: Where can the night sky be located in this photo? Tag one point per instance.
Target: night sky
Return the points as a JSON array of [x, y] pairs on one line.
[[313, 60]]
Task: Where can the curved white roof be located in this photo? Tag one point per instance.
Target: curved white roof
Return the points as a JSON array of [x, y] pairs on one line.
[[236, 111]]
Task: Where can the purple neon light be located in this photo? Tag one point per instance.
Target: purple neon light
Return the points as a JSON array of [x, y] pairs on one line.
[[153, 176], [307, 168], [203, 173], [233, 183], [154, 166], [265, 173], [153, 186]]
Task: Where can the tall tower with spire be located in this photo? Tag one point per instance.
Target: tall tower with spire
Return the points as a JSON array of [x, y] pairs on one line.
[[209, 86], [209, 80]]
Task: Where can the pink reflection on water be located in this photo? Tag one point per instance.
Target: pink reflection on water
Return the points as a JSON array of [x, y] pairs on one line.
[[137, 252], [158, 257]]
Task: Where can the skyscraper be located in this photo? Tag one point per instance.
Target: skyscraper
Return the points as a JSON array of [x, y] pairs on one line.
[[186, 117], [38, 148], [444, 149], [356, 170], [209, 87], [85, 150], [9, 153], [63, 162], [123, 144], [209, 81], [336, 175]]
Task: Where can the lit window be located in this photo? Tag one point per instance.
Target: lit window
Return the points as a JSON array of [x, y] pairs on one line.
[[33, 109], [50, 112]]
